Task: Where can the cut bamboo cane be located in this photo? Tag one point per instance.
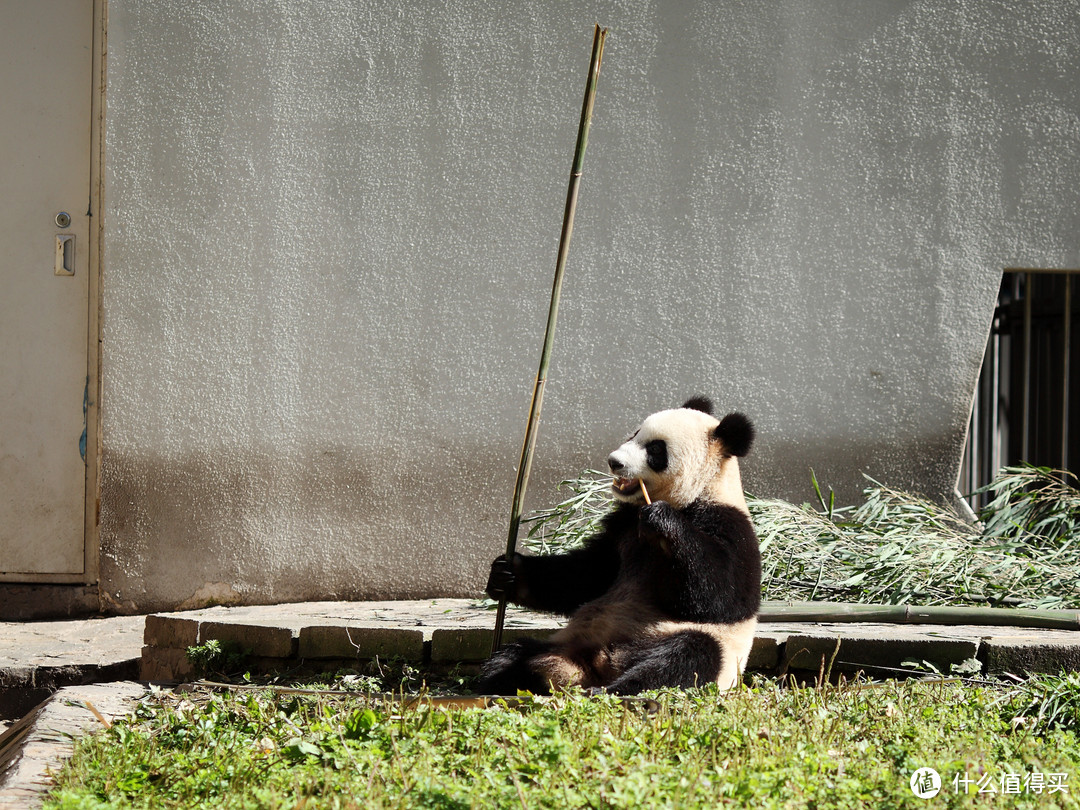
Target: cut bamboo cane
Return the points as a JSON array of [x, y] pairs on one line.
[[912, 614], [645, 492], [525, 462], [411, 700]]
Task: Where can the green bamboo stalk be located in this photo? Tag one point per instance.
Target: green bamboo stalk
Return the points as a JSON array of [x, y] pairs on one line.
[[911, 614], [531, 427]]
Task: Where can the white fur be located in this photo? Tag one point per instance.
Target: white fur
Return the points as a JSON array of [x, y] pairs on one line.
[[696, 464]]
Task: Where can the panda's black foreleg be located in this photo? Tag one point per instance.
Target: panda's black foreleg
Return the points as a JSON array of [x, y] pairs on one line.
[[663, 525], [509, 669], [702, 580], [685, 659]]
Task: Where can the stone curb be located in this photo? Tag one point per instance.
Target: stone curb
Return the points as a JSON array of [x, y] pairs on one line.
[[343, 641], [443, 632], [1009, 655], [329, 635], [848, 654]]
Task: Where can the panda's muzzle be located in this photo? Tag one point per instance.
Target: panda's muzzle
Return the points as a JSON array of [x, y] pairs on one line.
[[622, 486]]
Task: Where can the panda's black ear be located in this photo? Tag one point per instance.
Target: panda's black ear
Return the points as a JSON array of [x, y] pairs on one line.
[[736, 433], [703, 404]]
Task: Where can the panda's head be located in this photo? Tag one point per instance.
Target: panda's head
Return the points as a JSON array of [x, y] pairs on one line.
[[684, 454]]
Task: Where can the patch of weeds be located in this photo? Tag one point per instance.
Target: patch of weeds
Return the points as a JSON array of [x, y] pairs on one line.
[[1046, 702], [217, 658], [343, 680], [395, 675]]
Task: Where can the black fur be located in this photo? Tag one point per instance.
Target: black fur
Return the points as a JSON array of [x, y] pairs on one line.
[[561, 583], [703, 404], [712, 569], [508, 670], [656, 455], [736, 433], [687, 659], [699, 564]]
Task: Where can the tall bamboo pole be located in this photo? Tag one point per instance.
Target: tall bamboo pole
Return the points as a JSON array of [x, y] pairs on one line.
[[525, 462]]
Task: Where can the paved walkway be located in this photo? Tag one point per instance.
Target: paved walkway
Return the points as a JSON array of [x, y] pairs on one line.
[[39, 746], [37, 658]]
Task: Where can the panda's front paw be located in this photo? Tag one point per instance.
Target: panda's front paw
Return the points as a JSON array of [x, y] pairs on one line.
[[502, 581], [658, 523], [658, 515]]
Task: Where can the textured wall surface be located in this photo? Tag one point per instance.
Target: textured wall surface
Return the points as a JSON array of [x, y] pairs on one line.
[[331, 230]]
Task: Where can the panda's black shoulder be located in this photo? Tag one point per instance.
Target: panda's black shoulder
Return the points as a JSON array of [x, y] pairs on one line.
[[724, 522]]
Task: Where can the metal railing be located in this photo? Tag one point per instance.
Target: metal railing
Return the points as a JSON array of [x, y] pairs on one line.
[[1024, 402]]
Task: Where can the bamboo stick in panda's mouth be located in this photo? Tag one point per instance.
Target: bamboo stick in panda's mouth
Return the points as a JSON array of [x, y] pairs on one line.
[[644, 492]]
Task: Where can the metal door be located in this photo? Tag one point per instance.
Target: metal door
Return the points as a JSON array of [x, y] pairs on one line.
[[46, 92]]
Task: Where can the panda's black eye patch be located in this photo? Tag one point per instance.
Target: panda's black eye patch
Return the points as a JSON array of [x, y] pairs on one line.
[[656, 455]]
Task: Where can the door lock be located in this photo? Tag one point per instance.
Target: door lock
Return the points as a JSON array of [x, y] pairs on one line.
[[64, 263]]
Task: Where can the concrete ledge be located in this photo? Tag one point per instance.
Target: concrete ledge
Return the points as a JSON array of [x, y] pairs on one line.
[[164, 664], [33, 750], [473, 644], [262, 640], [330, 641], [442, 632], [1027, 657], [808, 651], [170, 631], [765, 654]]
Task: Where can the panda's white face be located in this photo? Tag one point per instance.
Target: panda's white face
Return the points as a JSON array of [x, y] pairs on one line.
[[672, 453], [679, 457]]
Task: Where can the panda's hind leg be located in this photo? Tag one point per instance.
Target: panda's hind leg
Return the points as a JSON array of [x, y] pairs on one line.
[[530, 665], [510, 669], [684, 659]]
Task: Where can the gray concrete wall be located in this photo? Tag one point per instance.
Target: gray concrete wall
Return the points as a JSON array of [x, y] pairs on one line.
[[330, 231]]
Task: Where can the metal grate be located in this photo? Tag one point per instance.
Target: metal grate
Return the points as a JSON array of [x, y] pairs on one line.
[[1026, 397]]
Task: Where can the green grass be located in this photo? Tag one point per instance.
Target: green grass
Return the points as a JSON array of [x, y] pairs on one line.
[[851, 746]]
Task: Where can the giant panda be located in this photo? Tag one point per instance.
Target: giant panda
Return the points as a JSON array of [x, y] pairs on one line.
[[663, 594]]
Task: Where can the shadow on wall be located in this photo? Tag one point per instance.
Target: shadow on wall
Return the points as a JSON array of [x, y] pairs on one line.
[[260, 528], [253, 528]]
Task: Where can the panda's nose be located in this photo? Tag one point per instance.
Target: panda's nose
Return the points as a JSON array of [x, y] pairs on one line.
[[614, 464]]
